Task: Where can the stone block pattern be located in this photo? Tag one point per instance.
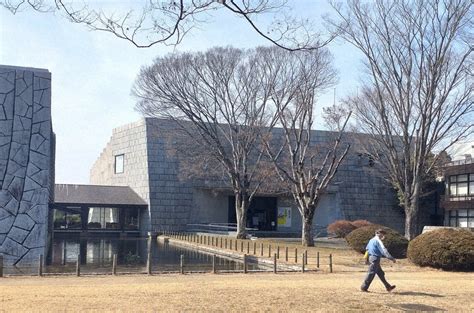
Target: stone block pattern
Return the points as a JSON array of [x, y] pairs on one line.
[[131, 141], [25, 163]]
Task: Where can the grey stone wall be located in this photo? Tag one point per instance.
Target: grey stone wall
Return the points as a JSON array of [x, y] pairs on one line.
[[26, 162], [131, 141]]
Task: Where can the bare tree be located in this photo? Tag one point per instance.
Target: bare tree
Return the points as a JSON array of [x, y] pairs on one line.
[[149, 22], [306, 167], [417, 97], [224, 94]]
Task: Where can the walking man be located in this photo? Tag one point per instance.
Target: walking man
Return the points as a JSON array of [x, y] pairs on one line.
[[376, 251]]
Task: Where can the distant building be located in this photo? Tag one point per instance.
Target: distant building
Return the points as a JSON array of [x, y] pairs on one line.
[[139, 155], [458, 202]]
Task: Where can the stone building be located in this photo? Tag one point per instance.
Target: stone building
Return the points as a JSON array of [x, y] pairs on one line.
[[140, 155], [26, 162]]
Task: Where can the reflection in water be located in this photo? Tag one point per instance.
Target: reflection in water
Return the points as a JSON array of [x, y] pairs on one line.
[[96, 255]]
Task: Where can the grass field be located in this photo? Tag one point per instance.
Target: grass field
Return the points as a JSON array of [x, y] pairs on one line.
[[418, 289]]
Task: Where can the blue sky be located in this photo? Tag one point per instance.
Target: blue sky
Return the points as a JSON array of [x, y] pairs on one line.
[[93, 72]]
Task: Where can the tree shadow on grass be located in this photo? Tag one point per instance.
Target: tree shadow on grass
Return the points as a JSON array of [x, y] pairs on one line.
[[414, 307], [416, 293]]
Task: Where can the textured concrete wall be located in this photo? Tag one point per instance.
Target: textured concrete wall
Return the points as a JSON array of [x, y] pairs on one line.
[[26, 162], [131, 141]]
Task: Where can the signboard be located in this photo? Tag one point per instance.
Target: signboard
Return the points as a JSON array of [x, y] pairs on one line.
[[284, 217]]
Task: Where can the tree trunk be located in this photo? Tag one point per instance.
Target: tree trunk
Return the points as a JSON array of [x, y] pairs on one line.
[[307, 234], [411, 219], [241, 206]]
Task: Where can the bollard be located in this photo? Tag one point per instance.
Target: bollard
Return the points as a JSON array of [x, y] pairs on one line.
[[148, 263], [302, 263], [254, 248], [248, 247], [245, 264], [114, 265], [241, 246], [286, 254], [230, 244], [269, 251], [236, 243], [78, 265], [1, 265], [317, 259], [212, 241], [181, 264], [278, 252], [306, 257], [274, 263], [220, 242], [40, 265], [261, 249], [296, 255], [226, 243], [214, 270], [330, 263]]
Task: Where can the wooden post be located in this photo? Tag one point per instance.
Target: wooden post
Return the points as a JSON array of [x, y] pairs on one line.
[[274, 263], [236, 242], [181, 264], [114, 265], [148, 263], [296, 255], [286, 254], [261, 249], [302, 263], [241, 246], [1, 265], [245, 264], [269, 251], [317, 259], [214, 270], [248, 247], [230, 244], [278, 252], [330, 263], [78, 265], [220, 242], [306, 257], [226, 243], [254, 248], [40, 265]]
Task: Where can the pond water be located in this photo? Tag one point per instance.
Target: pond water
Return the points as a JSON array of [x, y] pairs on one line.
[[96, 255]]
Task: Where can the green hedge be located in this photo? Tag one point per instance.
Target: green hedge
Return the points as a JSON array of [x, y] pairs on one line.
[[448, 249], [395, 243]]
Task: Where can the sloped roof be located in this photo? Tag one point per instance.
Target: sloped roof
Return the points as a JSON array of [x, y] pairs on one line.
[[96, 194]]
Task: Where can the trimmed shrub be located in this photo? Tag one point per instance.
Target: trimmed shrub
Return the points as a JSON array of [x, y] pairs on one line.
[[340, 228], [361, 223], [448, 249], [395, 243]]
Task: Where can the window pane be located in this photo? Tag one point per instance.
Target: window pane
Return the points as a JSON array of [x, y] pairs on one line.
[[452, 178], [462, 212], [452, 222], [462, 177], [462, 189], [470, 213], [471, 223], [94, 220], [471, 187], [463, 222], [452, 190], [119, 163], [111, 218]]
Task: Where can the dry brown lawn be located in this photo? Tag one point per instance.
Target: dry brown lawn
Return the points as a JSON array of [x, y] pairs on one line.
[[418, 289]]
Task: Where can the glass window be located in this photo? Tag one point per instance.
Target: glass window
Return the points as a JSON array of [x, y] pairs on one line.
[[119, 163], [452, 178], [66, 220], [130, 219], [103, 218], [471, 185], [452, 190], [463, 222], [462, 177], [462, 189], [462, 213]]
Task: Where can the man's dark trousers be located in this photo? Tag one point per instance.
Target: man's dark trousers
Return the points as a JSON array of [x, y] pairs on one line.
[[374, 268]]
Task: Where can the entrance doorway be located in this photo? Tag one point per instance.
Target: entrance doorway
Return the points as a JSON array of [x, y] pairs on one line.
[[262, 213]]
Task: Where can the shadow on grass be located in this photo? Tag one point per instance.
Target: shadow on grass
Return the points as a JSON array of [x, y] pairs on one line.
[[415, 293], [415, 307]]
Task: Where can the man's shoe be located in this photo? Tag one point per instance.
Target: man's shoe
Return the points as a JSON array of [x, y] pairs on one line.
[[389, 289], [363, 289]]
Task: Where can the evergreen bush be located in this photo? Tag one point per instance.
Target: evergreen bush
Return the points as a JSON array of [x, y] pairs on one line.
[[395, 243], [448, 249]]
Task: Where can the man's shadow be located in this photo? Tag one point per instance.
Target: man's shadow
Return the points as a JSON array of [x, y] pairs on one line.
[[415, 293]]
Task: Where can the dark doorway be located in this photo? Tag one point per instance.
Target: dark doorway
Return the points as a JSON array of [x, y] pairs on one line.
[[262, 213]]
